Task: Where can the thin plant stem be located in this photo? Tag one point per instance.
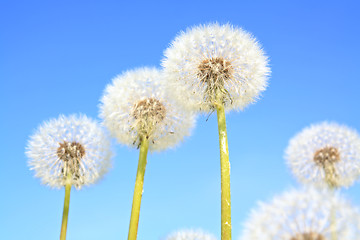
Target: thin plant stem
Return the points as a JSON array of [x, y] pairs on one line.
[[139, 182], [331, 180], [333, 224], [66, 208], [225, 175]]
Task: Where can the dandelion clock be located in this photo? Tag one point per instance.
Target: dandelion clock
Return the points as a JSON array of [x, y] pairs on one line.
[[69, 151], [217, 68], [325, 154], [139, 111]]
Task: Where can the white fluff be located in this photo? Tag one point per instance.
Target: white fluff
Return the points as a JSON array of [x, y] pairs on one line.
[[303, 211], [302, 147], [128, 89], [43, 145], [239, 48]]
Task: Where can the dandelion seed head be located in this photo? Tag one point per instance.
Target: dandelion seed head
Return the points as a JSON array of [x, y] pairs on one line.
[[191, 235], [212, 64], [325, 154], [139, 104], [74, 145], [303, 215]]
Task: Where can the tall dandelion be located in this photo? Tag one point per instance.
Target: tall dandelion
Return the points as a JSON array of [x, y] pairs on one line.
[[217, 68], [138, 110], [325, 154], [69, 151], [303, 215], [191, 235]]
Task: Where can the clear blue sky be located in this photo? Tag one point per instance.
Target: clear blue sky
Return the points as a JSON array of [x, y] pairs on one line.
[[57, 56]]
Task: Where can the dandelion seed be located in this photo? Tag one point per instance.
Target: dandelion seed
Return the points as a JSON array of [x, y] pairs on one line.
[[303, 215], [325, 154]]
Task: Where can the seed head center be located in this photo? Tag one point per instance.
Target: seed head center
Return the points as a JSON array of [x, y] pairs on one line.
[[149, 109], [71, 153], [327, 155], [308, 236], [70, 150], [148, 113], [215, 71]]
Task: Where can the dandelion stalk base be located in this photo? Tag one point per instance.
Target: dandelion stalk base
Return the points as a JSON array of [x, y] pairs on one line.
[[225, 175], [139, 182], [66, 208]]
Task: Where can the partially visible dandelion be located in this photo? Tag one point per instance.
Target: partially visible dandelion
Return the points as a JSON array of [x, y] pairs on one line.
[[325, 154], [191, 235], [217, 68], [69, 151], [304, 215], [139, 111]]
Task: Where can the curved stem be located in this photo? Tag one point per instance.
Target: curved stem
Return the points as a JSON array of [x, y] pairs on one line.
[[139, 182], [225, 175], [66, 208]]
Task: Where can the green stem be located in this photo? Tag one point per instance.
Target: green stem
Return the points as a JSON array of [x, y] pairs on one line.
[[331, 180], [333, 224], [333, 216], [225, 175], [66, 208], [139, 182]]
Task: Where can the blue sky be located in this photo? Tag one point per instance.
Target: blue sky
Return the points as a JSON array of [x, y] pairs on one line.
[[57, 57]]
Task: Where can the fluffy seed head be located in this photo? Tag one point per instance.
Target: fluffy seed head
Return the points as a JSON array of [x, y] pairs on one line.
[[191, 235], [303, 215], [73, 145], [139, 104], [325, 154], [214, 64]]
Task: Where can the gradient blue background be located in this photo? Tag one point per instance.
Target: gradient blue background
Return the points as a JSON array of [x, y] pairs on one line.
[[57, 56]]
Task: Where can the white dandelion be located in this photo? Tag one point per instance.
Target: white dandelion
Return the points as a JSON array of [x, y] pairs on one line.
[[74, 145], [139, 111], [69, 151], [138, 105], [191, 235], [305, 214], [213, 64], [325, 154], [217, 68]]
